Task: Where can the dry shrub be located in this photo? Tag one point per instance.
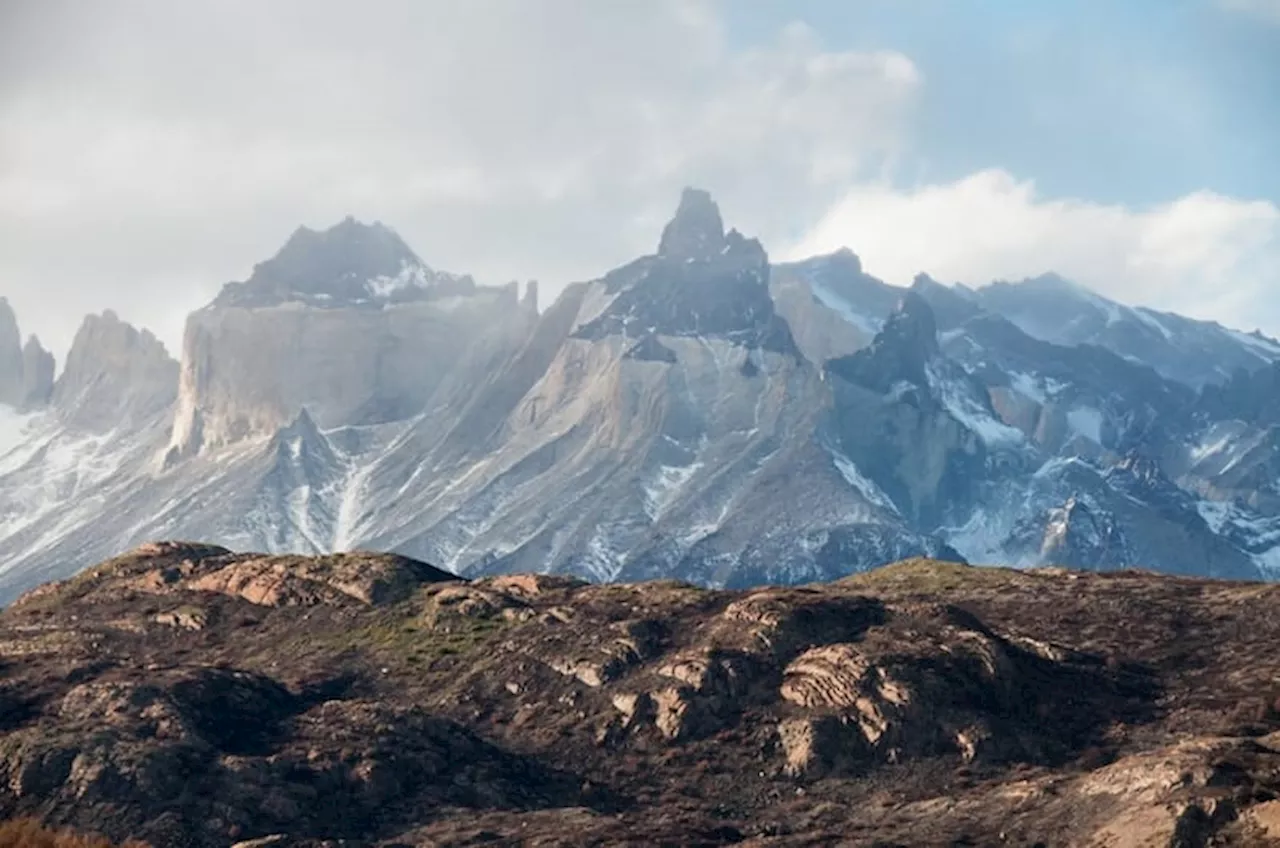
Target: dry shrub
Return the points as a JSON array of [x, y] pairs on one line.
[[30, 833]]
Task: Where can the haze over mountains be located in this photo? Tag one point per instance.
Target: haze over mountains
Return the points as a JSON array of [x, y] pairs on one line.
[[698, 413]]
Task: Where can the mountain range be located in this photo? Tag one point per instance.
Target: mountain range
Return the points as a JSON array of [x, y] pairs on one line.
[[699, 413]]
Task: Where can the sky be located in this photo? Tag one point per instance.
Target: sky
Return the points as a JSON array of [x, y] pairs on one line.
[[152, 151]]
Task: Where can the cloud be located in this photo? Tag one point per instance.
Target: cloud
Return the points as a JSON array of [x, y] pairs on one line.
[[1267, 10], [151, 151], [1203, 255]]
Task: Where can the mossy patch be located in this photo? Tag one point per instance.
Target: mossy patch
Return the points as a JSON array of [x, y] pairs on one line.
[[415, 640], [928, 576]]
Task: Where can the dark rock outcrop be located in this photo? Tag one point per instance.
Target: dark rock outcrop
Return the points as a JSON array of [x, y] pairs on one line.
[[889, 418], [899, 352], [701, 282], [349, 264], [696, 231]]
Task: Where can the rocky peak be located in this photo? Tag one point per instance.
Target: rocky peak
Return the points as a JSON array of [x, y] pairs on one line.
[[912, 325], [530, 300], [1077, 536], [899, 352], [115, 374], [845, 260], [703, 282], [951, 305], [696, 231], [38, 368], [351, 263], [302, 441], [1141, 477], [11, 376], [26, 371]]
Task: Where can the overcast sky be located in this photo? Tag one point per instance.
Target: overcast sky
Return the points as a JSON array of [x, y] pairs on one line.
[[151, 151]]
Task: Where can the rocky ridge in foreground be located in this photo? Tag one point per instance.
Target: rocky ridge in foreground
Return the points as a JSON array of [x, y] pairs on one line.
[[188, 695]]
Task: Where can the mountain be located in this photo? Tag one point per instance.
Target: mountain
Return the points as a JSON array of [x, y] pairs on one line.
[[697, 413], [1193, 352], [188, 695], [350, 264], [1059, 428], [26, 370], [1051, 309], [652, 423]]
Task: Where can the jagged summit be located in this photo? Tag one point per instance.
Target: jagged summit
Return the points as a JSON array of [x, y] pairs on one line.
[[115, 375], [696, 231], [1075, 535], [351, 263], [38, 368], [899, 352], [1197, 353], [914, 321], [11, 371], [703, 282], [26, 370], [845, 260], [951, 305]]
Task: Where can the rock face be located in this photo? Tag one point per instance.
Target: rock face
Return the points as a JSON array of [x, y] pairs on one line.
[[11, 371], [892, 418], [247, 372], [188, 695], [38, 368], [26, 371], [696, 232], [347, 323], [115, 376]]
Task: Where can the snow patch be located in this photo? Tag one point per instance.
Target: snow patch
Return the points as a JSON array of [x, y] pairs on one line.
[[1149, 318], [1215, 513], [1263, 346], [14, 427], [1086, 421], [410, 276], [1027, 385], [972, 414], [861, 483], [1214, 443], [980, 540], [662, 489], [1059, 464], [844, 309]]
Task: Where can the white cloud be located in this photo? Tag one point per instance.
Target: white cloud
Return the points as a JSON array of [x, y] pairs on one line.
[[1203, 255], [151, 151], [1267, 10]]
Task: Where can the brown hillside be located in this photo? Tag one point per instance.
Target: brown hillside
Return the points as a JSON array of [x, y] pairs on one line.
[[186, 695]]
